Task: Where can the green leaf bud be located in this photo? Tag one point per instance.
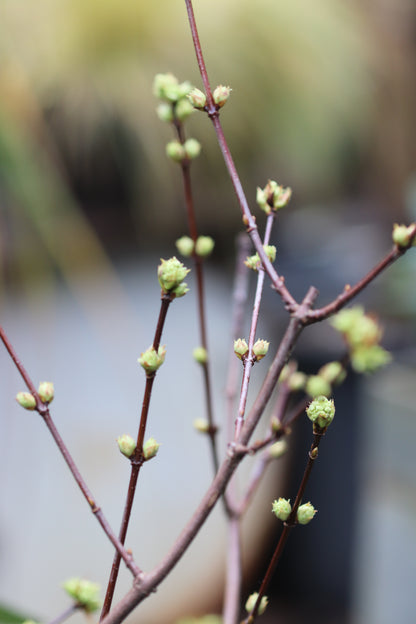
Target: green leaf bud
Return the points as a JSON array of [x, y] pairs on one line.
[[150, 448], [254, 262], [240, 348], [369, 359], [221, 95], [183, 110], [126, 444], [317, 385], [321, 412], [150, 360], [204, 246], [175, 151], [165, 112], [358, 328], [85, 593], [277, 449], [404, 236], [26, 400], [171, 273], [297, 381], [282, 509], [260, 349], [251, 602], [332, 372], [185, 246], [192, 148], [273, 197], [200, 355], [305, 513], [46, 391], [201, 425], [197, 98]]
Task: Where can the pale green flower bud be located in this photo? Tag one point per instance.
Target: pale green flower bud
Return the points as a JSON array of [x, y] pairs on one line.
[[180, 290], [26, 400], [317, 385], [85, 593], [273, 197], [404, 235], [254, 262], [368, 359], [201, 425], [171, 273], [126, 444], [204, 246], [305, 513], [332, 372], [260, 349], [277, 449], [240, 348], [150, 448], [165, 112], [282, 509], [197, 98], [192, 148], [175, 151], [150, 360], [164, 83], [185, 246], [200, 355], [184, 109], [297, 381], [46, 391], [321, 412], [251, 601], [221, 95]]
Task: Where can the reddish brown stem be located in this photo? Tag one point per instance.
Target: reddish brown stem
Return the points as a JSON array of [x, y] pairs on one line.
[[43, 411]]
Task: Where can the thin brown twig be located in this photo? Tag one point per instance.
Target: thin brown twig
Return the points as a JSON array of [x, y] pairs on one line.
[[43, 410]]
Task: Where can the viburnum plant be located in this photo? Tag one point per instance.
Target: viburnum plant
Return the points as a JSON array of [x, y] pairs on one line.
[[297, 393]]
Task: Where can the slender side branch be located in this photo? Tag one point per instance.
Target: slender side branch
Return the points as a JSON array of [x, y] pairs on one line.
[[43, 411]]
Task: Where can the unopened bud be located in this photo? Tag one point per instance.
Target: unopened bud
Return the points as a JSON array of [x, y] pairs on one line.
[[282, 509], [317, 386], [176, 151], [192, 148], [171, 273], [26, 400], [404, 235], [165, 112], [183, 109], [46, 391], [151, 360], [221, 95], [204, 246], [197, 98], [251, 602], [240, 348], [321, 412], [277, 449], [126, 444], [333, 372], [200, 355], [150, 448], [260, 349], [305, 513], [185, 246], [85, 593], [201, 425]]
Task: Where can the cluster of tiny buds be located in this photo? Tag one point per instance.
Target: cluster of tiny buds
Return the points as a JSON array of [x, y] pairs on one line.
[[127, 447], [171, 274], [260, 349], [220, 95], [404, 235], [202, 247], [251, 602], [321, 412], [282, 510], [254, 262], [175, 105], [45, 391], [180, 152], [273, 197], [85, 593], [151, 360]]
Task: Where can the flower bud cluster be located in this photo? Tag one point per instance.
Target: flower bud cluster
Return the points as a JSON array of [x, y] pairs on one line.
[[151, 359], [175, 104], [45, 391], [85, 593], [203, 246], [362, 334], [254, 262], [321, 412], [273, 197], [251, 602], [171, 274], [178, 152]]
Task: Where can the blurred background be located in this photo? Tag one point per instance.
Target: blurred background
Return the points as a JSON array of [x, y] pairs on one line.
[[323, 100]]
